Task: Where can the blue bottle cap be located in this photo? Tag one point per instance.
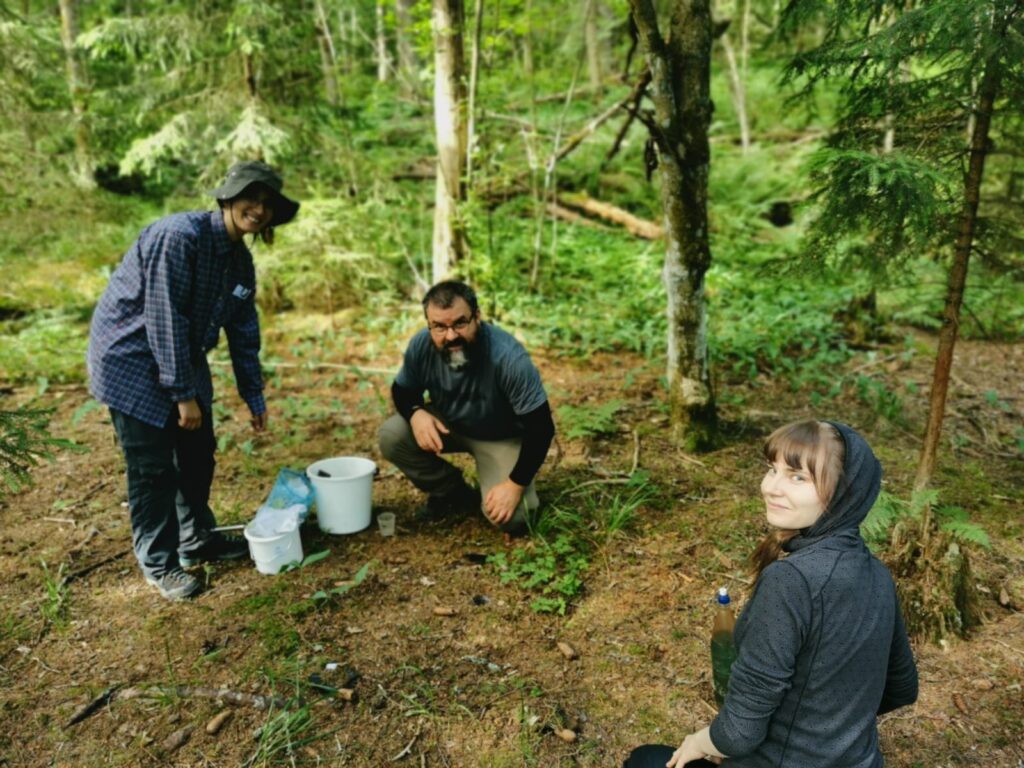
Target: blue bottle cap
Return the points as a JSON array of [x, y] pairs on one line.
[[723, 596]]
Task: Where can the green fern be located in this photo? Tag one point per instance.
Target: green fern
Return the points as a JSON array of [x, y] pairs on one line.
[[956, 522], [889, 510], [876, 526], [589, 420]]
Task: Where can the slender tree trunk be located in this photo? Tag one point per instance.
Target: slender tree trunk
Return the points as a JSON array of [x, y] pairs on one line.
[[383, 65], [744, 38], [78, 90], [407, 63], [547, 197], [328, 55], [680, 88], [981, 120], [593, 44], [474, 77], [528, 40], [449, 246], [739, 92], [327, 69]]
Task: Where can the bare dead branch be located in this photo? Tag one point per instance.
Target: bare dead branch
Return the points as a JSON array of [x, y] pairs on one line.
[[634, 224]]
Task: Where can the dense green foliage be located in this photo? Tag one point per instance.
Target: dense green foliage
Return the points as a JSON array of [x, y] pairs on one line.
[[891, 177], [177, 91]]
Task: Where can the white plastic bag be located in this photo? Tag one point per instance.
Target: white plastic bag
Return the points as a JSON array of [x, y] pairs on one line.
[[270, 521]]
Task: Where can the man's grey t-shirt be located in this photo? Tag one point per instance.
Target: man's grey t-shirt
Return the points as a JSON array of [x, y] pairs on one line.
[[484, 399]]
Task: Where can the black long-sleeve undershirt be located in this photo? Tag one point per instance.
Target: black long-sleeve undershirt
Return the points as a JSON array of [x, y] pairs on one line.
[[406, 400], [538, 432]]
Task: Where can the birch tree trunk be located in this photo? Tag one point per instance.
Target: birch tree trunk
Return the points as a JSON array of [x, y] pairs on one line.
[[78, 91], [328, 55], [680, 89], [593, 45], [981, 121], [408, 65], [474, 77], [381, 46], [527, 40], [739, 92], [450, 126]]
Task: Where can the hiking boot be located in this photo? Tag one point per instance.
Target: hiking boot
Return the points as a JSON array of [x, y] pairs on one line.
[[220, 546], [458, 502], [175, 585]]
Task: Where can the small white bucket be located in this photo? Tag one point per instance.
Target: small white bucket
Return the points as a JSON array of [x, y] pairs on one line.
[[344, 497], [272, 553]]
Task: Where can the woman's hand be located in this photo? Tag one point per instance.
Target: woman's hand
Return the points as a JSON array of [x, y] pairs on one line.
[[259, 421], [190, 417], [696, 746]]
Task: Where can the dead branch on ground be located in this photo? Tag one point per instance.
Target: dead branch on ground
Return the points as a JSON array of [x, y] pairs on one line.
[[217, 694], [566, 214], [636, 226]]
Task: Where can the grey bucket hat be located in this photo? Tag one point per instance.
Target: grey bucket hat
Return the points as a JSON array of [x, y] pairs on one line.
[[241, 175]]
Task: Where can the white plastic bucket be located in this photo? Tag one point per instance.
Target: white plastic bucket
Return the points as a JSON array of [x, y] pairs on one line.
[[345, 497], [272, 553]]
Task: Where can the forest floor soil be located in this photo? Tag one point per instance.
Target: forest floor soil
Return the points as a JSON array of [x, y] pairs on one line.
[[449, 665]]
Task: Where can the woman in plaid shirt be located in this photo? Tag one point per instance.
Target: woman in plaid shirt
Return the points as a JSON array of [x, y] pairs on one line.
[[186, 277]]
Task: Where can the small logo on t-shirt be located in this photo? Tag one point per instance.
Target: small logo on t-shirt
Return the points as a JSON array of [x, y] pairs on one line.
[[241, 292]]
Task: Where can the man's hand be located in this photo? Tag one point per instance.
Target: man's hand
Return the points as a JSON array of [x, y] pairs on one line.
[[259, 421], [190, 417], [502, 501], [427, 429]]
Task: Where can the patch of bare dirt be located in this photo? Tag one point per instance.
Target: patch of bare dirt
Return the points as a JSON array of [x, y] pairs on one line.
[[486, 685]]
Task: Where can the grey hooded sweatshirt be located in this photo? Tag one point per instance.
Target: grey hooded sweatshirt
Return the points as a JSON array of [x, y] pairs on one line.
[[822, 648]]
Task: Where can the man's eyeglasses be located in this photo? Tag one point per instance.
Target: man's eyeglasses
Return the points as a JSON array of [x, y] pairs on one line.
[[440, 329]]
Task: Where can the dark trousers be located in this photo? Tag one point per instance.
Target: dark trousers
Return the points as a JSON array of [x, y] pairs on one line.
[[656, 755], [170, 471]]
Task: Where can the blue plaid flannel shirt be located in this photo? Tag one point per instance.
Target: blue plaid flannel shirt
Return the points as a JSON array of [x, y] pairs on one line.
[[179, 284]]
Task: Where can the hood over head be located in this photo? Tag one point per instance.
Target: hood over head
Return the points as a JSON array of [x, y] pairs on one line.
[[855, 494]]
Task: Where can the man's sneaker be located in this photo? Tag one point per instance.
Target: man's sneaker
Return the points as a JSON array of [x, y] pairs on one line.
[[219, 546], [458, 502], [176, 584]]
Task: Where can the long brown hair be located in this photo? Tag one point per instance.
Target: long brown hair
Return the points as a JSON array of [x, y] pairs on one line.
[[814, 446]]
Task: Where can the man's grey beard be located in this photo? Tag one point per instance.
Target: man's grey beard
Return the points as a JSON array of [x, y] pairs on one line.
[[456, 358]]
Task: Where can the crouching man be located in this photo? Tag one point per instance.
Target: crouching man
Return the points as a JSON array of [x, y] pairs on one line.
[[486, 399]]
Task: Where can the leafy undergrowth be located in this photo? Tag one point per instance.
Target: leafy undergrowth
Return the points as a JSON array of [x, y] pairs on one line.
[[455, 646]]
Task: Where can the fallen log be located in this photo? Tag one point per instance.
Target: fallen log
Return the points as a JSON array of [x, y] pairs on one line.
[[633, 224], [566, 214]]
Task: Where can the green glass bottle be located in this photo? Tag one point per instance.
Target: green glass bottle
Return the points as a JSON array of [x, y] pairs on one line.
[[723, 646]]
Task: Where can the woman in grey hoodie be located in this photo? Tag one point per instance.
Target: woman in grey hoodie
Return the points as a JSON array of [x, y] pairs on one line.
[[822, 648]]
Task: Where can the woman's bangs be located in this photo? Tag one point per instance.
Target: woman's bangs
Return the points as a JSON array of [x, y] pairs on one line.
[[799, 445]]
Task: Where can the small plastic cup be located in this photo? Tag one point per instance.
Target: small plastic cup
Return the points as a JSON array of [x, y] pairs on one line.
[[386, 523]]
